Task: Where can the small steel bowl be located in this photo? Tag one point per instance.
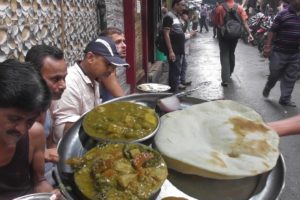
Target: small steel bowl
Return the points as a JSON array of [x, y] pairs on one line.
[[138, 140]]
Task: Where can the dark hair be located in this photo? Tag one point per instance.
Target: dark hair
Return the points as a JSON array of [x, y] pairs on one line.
[[38, 53], [110, 31], [22, 87], [175, 2]]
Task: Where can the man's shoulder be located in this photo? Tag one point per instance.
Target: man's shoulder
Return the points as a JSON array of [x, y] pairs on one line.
[[36, 134], [74, 73], [170, 14]]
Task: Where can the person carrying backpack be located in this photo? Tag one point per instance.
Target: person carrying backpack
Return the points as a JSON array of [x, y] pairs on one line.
[[230, 19]]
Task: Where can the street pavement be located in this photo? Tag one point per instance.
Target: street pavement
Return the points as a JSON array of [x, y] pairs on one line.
[[248, 80]]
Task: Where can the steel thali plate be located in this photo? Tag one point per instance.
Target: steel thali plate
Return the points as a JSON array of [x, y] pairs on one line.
[[267, 186]]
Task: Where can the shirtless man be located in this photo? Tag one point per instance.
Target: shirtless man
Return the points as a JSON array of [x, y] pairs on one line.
[[24, 96]]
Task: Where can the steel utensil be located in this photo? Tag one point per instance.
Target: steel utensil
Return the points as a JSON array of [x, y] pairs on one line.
[[172, 103]]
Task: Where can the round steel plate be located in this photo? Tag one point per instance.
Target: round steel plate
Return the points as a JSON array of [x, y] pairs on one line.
[[267, 186], [153, 87], [37, 196]]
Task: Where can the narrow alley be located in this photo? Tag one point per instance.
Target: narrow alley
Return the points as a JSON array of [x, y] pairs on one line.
[[248, 80]]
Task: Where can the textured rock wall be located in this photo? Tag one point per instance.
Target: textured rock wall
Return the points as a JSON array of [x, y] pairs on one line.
[[67, 24]]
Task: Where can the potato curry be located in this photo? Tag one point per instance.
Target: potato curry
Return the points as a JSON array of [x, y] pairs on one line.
[[119, 172], [123, 121]]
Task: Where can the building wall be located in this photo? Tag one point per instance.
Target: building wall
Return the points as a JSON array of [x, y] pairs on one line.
[[67, 24]]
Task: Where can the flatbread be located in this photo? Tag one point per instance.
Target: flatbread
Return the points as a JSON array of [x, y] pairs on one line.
[[219, 139]]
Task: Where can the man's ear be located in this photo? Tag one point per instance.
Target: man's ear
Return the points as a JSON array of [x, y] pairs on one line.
[[89, 56]]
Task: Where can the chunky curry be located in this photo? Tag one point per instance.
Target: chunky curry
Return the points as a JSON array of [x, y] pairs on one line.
[[123, 121], [119, 172]]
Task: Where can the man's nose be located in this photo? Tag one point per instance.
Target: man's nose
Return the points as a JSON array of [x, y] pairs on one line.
[[22, 127], [62, 84]]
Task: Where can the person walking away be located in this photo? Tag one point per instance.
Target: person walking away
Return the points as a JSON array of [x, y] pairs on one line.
[[188, 33], [213, 12], [195, 19], [228, 44], [203, 16], [282, 47], [174, 38]]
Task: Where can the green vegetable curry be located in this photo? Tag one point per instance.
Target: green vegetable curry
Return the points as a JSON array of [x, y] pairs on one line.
[[119, 172], [122, 121]]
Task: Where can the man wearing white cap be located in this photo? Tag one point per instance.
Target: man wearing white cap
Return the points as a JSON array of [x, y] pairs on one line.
[[82, 87]]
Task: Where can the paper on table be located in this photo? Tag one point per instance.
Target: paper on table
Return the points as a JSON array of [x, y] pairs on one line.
[[168, 189]]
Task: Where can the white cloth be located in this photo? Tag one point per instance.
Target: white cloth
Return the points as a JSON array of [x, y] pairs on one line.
[[80, 96]]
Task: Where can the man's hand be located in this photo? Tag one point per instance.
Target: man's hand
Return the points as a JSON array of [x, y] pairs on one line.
[[250, 38], [193, 33], [43, 186], [51, 155], [172, 56], [56, 195], [267, 51]]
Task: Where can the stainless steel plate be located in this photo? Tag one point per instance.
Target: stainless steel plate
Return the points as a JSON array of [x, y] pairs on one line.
[[153, 87], [267, 186], [37, 196]]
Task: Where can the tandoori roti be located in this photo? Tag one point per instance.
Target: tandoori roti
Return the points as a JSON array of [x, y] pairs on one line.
[[219, 139]]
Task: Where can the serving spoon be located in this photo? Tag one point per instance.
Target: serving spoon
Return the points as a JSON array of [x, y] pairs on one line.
[[172, 103]]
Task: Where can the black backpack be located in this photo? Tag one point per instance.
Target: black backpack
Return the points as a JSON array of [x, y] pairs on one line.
[[160, 42], [232, 28]]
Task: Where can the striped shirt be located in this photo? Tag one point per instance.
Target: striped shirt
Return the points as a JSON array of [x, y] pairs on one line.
[[287, 27]]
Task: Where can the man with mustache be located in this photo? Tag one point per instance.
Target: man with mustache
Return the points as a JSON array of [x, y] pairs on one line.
[[24, 96]]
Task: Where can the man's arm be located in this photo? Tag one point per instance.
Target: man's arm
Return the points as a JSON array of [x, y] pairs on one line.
[[168, 43], [268, 44], [112, 85], [37, 144], [50, 155], [167, 24], [68, 125], [290, 126]]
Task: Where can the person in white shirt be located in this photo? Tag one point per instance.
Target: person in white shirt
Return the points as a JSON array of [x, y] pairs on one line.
[[82, 87]]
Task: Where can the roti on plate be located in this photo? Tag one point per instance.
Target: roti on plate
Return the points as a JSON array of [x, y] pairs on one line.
[[219, 139]]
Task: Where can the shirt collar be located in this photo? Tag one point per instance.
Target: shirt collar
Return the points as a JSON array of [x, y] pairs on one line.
[[85, 78]]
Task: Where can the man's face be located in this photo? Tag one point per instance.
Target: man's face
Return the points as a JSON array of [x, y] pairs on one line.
[[98, 67], [185, 17], [54, 73], [119, 40], [180, 6], [295, 4], [14, 123]]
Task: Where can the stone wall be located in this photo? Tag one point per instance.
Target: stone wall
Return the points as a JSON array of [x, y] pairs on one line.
[[67, 24]]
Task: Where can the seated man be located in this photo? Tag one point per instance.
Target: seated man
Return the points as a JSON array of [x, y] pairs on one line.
[[82, 87], [24, 96], [49, 61], [110, 86]]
